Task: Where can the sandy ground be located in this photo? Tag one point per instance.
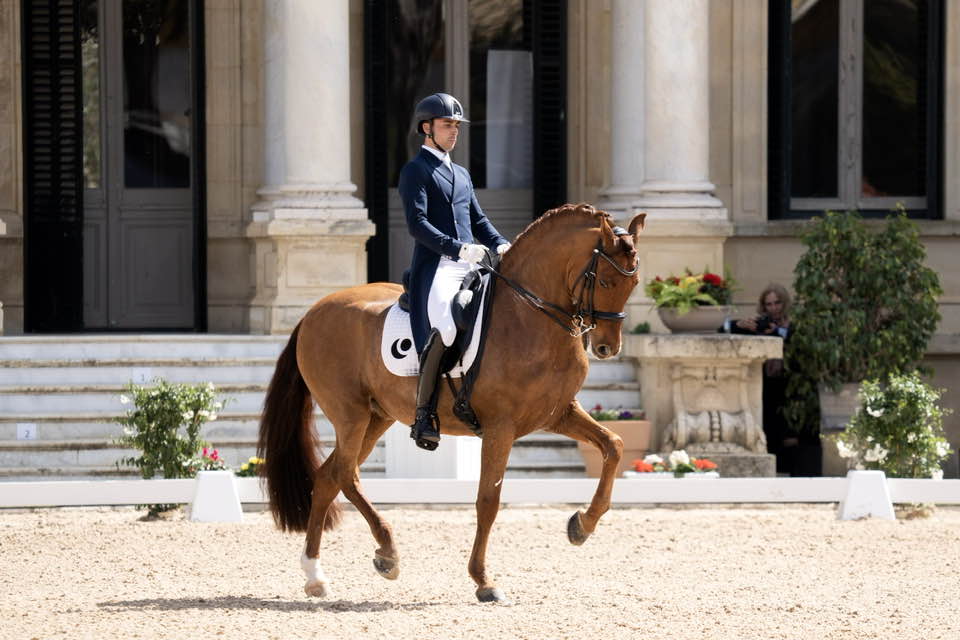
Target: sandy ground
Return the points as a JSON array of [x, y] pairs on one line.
[[720, 572]]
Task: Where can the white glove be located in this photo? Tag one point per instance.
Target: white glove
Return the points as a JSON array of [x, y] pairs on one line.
[[472, 253], [502, 249]]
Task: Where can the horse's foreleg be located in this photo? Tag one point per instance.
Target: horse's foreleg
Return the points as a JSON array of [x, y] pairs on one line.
[[386, 560], [578, 424], [495, 451]]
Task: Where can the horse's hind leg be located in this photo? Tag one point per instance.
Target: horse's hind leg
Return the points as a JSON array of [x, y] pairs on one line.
[[324, 493], [350, 420], [386, 560]]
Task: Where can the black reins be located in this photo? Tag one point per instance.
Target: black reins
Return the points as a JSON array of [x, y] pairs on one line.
[[575, 323]]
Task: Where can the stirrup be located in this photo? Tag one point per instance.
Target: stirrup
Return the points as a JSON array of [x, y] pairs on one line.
[[425, 430]]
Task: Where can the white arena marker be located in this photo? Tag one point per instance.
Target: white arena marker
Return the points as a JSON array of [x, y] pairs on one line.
[[215, 498], [867, 495]]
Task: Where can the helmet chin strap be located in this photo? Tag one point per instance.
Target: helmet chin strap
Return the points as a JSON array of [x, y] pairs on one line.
[[435, 143]]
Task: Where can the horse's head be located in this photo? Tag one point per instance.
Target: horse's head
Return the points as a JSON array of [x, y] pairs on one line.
[[616, 272]]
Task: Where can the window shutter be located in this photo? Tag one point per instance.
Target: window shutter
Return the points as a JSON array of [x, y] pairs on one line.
[[549, 103], [53, 190]]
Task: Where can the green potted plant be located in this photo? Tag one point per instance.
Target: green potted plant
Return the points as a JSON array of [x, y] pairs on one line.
[[897, 429], [632, 428], [865, 308], [692, 302]]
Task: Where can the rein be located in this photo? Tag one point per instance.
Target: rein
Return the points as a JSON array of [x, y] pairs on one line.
[[574, 323]]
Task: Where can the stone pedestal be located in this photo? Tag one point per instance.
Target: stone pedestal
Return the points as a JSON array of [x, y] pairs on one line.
[[309, 230], [704, 392]]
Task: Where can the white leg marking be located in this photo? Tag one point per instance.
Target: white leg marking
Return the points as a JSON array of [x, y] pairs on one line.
[[317, 583]]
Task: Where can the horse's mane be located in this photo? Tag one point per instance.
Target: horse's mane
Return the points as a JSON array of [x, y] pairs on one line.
[[566, 214]]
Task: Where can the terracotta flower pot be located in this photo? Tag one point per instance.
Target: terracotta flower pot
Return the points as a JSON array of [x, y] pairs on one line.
[[636, 442]]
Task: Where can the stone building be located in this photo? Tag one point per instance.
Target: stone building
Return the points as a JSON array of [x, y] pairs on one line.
[[217, 166]]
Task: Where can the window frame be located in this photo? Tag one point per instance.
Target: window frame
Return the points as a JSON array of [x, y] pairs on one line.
[[781, 205]]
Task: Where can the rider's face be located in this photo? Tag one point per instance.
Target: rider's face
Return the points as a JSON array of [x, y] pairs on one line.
[[445, 131]]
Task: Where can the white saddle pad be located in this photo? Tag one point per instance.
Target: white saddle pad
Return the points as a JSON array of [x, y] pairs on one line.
[[400, 356]]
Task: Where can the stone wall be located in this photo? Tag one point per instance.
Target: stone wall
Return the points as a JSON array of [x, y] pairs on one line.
[[11, 217]]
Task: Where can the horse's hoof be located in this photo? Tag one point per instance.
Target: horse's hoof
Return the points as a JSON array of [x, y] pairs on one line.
[[389, 568], [575, 533], [317, 589], [492, 594]]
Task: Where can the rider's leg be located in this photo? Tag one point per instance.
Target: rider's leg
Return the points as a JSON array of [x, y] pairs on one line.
[[446, 282], [426, 427]]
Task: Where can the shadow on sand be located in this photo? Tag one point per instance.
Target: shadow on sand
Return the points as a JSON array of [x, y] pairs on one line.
[[250, 602]]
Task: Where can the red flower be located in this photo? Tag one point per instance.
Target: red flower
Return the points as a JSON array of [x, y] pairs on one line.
[[641, 466], [204, 454], [658, 279], [703, 464], [712, 278]]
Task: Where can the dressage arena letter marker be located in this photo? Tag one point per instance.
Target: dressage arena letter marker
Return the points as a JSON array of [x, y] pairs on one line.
[[867, 495], [26, 431], [215, 498]]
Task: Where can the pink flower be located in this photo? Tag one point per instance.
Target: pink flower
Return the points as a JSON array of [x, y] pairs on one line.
[[204, 454], [214, 455]]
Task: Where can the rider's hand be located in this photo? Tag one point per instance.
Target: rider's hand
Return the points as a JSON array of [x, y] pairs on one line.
[[472, 253], [502, 249]]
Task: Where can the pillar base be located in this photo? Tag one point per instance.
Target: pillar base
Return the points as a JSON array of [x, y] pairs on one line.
[[308, 244]]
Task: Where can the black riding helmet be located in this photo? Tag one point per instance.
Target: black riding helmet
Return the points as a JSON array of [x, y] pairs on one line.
[[438, 105]]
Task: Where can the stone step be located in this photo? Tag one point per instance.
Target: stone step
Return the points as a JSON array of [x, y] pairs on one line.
[[95, 348], [105, 454], [67, 400], [612, 370], [617, 395], [63, 373]]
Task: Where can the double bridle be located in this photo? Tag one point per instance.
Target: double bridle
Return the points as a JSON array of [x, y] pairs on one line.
[[575, 323]]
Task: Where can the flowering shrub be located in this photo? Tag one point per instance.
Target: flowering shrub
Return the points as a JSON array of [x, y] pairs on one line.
[[164, 425], [600, 414], [690, 290], [897, 429], [250, 468], [209, 460], [677, 462]]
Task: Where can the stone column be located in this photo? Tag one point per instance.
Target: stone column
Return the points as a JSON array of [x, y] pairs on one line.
[[686, 225], [309, 229], [626, 110]]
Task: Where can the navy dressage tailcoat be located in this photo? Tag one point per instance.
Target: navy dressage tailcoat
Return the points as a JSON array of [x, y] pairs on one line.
[[442, 214]]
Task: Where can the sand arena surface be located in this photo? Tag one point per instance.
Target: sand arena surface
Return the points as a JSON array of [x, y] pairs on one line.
[[719, 572]]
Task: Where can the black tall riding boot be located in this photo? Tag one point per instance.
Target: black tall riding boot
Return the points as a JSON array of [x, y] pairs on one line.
[[426, 427]]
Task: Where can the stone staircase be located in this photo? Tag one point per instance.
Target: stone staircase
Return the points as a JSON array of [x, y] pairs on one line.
[[60, 396]]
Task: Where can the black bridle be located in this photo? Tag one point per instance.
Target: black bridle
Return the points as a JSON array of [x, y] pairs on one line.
[[575, 323]]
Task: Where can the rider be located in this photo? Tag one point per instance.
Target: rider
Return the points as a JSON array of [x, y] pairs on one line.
[[446, 222]]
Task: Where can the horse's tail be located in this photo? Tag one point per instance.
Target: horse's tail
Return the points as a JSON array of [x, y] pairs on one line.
[[288, 445]]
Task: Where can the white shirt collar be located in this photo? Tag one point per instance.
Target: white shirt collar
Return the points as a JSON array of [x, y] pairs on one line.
[[441, 156]]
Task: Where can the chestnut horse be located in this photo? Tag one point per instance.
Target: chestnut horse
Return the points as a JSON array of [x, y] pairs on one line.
[[570, 272]]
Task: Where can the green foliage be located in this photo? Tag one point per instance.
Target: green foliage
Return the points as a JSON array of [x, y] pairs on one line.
[[164, 425], [866, 305], [897, 429], [642, 327]]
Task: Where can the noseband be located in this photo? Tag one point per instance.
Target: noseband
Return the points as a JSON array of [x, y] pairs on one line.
[[575, 323]]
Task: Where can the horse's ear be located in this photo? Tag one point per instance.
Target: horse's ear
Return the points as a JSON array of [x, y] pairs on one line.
[[636, 225]]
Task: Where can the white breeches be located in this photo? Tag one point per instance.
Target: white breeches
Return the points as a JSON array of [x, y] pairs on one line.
[[446, 283]]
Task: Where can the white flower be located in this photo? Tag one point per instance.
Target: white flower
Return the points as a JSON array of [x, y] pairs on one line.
[[679, 457], [212, 416], [203, 413], [843, 450], [875, 454], [937, 475], [911, 436], [653, 459], [876, 413], [188, 415], [124, 399], [942, 449]]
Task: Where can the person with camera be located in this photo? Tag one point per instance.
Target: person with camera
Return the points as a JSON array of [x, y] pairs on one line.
[[773, 319]]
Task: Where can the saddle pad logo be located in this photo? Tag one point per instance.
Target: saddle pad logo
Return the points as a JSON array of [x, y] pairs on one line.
[[397, 350]]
